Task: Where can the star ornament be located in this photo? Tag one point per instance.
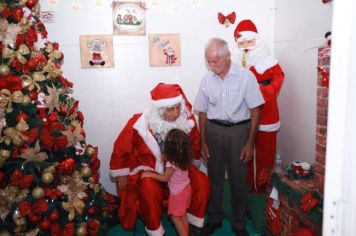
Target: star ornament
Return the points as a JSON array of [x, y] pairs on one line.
[[52, 100]]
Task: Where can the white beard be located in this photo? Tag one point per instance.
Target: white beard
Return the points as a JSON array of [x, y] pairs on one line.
[[162, 127], [254, 56]]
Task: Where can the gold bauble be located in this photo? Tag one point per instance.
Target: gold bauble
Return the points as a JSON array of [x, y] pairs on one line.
[[4, 70], [81, 230], [85, 171], [38, 193], [16, 215], [23, 49], [5, 233], [5, 153], [47, 177], [20, 221], [89, 151], [26, 100]]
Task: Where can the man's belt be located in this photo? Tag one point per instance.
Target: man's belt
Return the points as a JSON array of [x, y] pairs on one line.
[[228, 123], [265, 82]]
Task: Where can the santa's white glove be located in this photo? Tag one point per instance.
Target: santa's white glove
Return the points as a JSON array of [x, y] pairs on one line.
[[196, 163]]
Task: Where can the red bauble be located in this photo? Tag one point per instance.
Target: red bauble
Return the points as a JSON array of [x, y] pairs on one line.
[[31, 3], [33, 63], [54, 216], [33, 95], [20, 116], [45, 225], [92, 211], [67, 166], [17, 14]]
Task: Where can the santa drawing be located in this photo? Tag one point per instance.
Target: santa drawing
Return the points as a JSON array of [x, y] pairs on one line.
[[170, 55], [96, 46]]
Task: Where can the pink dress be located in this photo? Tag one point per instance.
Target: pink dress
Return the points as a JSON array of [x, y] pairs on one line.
[[180, 191]]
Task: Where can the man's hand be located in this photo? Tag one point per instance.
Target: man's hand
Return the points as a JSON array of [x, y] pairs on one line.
[[204, 151], [247, 153], [121, 182]]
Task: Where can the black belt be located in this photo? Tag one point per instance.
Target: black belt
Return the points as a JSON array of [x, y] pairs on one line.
[[265, 82], [228, 123]]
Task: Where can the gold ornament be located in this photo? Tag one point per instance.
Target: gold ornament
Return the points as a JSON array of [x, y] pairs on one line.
[[89, 151], [22, 125], [5, 153], [26, 100], [85, 171], [4, 70], [81, 230], [47, 177], [38, 193], [23, 49], [9, 54], [75, 206], [57, 54]]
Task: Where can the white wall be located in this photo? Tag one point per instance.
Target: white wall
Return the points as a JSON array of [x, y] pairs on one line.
[[108, 97], [300, 28]]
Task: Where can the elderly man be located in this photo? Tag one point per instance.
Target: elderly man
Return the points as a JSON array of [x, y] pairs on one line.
[[139, 147], [228, 103]]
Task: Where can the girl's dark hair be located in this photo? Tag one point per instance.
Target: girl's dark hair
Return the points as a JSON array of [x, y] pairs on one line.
[[177, 147]]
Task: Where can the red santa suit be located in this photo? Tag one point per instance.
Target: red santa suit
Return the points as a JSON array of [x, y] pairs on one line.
[[270, 77], [136, 150]]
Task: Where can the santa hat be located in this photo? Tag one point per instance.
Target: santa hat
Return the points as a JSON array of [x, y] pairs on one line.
[[246, 29], [165, 95]]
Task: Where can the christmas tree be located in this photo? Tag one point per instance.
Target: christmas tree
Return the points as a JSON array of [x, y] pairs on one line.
[[49, 179]]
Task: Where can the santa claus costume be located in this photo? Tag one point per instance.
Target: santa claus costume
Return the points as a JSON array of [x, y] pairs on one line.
[[270, 76], [138, 148]]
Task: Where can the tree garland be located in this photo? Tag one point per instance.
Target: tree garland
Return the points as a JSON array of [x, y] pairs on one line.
[[298, 199]]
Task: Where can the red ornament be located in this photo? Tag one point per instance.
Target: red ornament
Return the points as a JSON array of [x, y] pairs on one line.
[[226, 20], [33, 63], [45, 225], [33, 95], [20, 116], [92, 211], [54, 216], [67, 166], [17, 14], [31, 3]]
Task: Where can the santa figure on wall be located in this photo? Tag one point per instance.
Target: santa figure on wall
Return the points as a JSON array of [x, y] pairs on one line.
[[254, 55]]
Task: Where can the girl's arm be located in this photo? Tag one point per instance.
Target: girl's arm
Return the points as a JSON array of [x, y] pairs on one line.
[[163, 178]]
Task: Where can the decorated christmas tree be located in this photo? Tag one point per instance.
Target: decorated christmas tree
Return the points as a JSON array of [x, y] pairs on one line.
[[49, 176]]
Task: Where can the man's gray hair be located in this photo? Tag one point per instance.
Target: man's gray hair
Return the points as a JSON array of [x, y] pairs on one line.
[[220, 44]]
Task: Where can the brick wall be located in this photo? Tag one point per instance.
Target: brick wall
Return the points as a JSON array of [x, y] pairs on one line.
[[292, 216]]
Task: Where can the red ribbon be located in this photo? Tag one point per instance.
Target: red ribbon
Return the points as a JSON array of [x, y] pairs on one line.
[[308, 202], [230, 18]]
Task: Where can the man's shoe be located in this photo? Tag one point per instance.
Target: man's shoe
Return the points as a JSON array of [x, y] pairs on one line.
[[193, 230], [241, 232], [209, 228]]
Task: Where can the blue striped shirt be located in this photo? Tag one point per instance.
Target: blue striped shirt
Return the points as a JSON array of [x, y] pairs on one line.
[[231, 98]]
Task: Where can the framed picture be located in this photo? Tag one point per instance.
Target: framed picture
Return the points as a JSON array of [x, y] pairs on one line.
[[164, 49], [129, 18], [96, 51]]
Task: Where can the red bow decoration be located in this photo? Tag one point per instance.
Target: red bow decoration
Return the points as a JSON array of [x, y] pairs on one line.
[[324, 77], [308, 202], [226, 20]]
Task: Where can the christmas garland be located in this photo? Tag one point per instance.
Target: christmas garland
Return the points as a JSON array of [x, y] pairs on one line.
[[310, 202]]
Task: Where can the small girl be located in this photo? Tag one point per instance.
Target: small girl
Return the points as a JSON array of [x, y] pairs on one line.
[[178, 154]]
